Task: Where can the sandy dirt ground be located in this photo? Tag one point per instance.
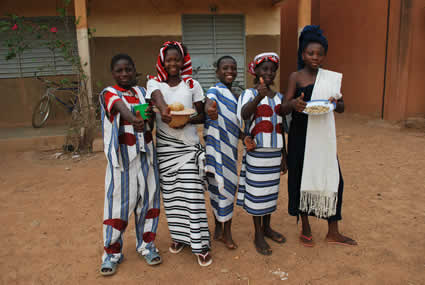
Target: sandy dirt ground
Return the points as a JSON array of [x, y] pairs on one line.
[[51, 222]]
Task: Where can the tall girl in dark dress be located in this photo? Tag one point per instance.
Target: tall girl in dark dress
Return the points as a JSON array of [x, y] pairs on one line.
[[313, 47]]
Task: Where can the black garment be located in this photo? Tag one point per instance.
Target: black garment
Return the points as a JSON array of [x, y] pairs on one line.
[[296, 148]]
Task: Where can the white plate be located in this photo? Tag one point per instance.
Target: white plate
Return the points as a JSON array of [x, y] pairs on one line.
[[325, 103]]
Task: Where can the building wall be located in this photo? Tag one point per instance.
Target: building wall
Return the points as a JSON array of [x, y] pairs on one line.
[[415, 94], [137, 28], [141, 30], [357, 49], [24, 93], [357, 35], [289, 39]]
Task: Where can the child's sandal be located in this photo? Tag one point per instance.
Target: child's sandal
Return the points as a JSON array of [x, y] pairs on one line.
[[152, 256]]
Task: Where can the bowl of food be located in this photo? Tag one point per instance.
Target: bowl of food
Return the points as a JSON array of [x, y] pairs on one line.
[[318, 107], [179, 115]]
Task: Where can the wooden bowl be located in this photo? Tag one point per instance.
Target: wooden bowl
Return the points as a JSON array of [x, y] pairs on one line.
[[180, 118]]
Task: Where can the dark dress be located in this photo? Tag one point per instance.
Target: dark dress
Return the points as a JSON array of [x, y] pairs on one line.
[[296, 148]]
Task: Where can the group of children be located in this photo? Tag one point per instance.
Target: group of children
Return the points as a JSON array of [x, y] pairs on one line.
[[180, 167]]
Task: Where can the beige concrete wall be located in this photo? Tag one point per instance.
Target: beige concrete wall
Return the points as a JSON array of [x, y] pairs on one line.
[[156, 18], [137, 28], [29, 8], [20, 95]]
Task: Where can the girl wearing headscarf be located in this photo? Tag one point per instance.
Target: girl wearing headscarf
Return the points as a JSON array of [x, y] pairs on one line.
[[259, 114], [180, 154], [315, 183]]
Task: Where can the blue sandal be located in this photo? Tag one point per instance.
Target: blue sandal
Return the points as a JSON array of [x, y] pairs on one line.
[[108, 264], [151, 255]]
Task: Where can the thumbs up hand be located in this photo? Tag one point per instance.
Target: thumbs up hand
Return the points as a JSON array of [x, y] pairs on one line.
[[299, 104], [212, 109], [137, 122], [262, 88]]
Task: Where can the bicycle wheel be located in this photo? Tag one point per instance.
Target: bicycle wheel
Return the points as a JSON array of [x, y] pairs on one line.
[[41, 112]]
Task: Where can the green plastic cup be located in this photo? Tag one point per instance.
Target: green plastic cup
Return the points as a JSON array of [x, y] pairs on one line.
[[142, 109]]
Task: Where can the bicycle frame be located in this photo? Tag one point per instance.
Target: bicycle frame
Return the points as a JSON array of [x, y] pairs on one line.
[[51, 93]]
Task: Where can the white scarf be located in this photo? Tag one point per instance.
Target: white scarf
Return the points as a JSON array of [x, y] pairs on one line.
[[320, 177]]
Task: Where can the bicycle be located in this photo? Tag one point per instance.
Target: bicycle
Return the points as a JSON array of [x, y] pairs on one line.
[[42, 109]]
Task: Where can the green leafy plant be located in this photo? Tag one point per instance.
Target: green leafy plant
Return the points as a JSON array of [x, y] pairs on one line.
[[82, 128]]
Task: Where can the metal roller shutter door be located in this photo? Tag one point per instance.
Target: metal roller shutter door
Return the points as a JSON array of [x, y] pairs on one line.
[[209, 37], [39, 58]]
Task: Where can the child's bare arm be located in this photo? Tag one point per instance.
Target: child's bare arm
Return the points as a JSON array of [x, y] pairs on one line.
[[128, 116], [200, 117], [290, 104], [159, 102]]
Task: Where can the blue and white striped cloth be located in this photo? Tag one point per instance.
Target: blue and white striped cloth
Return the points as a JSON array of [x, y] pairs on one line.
[[260, 173], [259, 181], [221, 152]]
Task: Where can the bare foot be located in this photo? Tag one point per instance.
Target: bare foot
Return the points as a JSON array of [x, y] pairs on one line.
[[261, 245], [228, 241], [274, 236]]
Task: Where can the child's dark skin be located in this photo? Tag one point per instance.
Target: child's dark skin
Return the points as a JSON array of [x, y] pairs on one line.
[[313, 56], [226, 72], [266, 72], [124, 74], [173, 63]]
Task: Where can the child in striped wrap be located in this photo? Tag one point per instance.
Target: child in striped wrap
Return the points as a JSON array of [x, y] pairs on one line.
[[222, 136], [181, 157], [259, 113]]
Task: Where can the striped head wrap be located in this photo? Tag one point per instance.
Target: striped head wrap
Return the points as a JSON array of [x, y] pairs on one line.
[[266, 56], [310, 34], [186, 72]]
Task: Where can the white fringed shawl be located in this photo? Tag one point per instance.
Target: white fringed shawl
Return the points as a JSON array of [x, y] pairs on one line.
[[320, 176]]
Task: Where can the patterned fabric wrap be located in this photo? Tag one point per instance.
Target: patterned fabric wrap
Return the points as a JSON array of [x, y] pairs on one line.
[[183, 191], [266, 56], [265, 126], [131, 180], [259, 181], [121, 142], [310, 33], [222, 136], [186, 72]]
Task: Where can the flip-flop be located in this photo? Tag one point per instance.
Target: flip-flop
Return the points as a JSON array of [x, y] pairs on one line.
[[263, 251], [280, 238], [345, 242], [306, 244], [203, 256], [108, 264], [178, 247]]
